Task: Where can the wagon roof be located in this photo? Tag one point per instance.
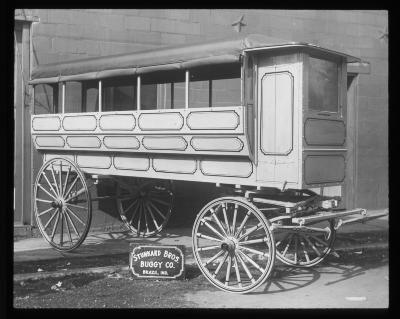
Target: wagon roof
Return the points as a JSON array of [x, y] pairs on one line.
[[166, 58]]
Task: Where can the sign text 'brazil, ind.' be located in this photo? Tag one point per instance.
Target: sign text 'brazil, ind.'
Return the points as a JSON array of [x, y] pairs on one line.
[[148, 261]]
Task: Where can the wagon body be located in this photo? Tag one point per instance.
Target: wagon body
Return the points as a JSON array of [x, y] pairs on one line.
[[271, 139], [279, 151]]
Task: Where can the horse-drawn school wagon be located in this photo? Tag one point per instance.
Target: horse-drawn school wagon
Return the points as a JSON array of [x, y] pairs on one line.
[[263, 119]]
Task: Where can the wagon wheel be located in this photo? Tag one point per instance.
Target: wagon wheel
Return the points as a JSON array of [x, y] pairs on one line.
[[232, 231], [303, 248], [144, 205], [63, 209]]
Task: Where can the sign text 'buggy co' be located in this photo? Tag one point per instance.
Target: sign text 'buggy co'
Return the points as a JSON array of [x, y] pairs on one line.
[[148, 261]]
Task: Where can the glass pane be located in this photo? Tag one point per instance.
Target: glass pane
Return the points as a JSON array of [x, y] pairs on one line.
[[73, 97], [119, 95], [199, 94], [46, 98], [179, 95], [323, 77], [148, 96], [226, 92], [91, 97], [249, 78], [164, 96]]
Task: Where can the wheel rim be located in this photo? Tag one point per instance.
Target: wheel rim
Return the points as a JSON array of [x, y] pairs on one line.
[[302, 248], [144, 205], [232, 231], [62, 206]]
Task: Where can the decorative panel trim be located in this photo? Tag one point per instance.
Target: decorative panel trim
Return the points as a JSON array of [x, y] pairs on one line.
[[83, 141], [50, 123], [312, 139], [212, 120], [135, 163], [175, 143], [171, 121], [263, 109], [324, 168], [174, 165], [217, 144], [79, 123], [121, 142], [48, 156], [49, 141], [206, 167], [117, 122], [93, 161]]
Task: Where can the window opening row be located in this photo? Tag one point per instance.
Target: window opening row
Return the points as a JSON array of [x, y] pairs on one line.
[[161, 90]]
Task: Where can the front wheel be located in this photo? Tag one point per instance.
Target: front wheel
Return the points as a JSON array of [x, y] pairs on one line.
[[233, 245]]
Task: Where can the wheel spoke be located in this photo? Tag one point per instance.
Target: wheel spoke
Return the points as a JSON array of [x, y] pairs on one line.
[[55, 225], [54, 178], [228, 270], [41, 187], [66, 181], [213, 229], [226, 219], [71, 186], [140, 215], [218, 222], [312, 245], [134, 213], [152, 216], [295, 249], [157, 200], [72, 224], [213, 258], [251, 261], [320, 241], [249, 231], [288, 244], [234, 220], [237, 271], [220, 264], [62, 229], [242, 224], [145, 218], [254, 241], [254, 251], [76, 206], [73, 214], [68, 230], [50, 219], [304, 250], [46, 211], [157, 210], [248, 273], [208, 248], [48, 182], [129, 207], [83, 189], [43, 200], [200, 235], [283, 240], [60, 178]]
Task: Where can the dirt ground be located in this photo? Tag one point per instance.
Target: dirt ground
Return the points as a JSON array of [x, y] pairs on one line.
[[120, 290]]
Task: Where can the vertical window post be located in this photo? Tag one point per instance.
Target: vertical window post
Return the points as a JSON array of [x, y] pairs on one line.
[[33, 99], [100, 95], [187, 89], [209, 93], [63, 98], [138, 84]]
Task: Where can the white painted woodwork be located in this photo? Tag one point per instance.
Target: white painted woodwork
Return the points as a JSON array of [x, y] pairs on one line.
[[121, 142], [49, 141], [213, 120], [174, 165], [216, 143], [50, 123], [117, 122], [94, 161], [176, 143], [171, 121], [132, 162], [80, 123], [83, 141], [226, 167]]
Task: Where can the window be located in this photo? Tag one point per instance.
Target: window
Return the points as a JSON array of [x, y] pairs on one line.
[[46, 99], [119, 94], [323, 83], [162, 90], [249, 71], [90, 96], [73, 97], [215, 86]]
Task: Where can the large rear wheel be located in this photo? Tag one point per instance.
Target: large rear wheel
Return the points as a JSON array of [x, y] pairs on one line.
[[62, 206]]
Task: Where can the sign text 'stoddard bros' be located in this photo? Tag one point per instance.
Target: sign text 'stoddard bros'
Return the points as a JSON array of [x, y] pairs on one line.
[[148, 261]]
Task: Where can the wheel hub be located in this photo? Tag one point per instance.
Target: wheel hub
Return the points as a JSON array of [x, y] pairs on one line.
[[229, 245], [59, 203]]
